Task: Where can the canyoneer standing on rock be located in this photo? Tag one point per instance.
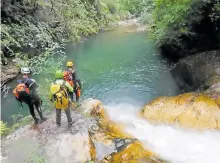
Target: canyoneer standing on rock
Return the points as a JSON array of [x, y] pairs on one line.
[[59, 94], [26, 91], [69, 75]]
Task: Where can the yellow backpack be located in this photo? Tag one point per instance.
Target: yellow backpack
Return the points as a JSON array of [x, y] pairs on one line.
[[60, 96]]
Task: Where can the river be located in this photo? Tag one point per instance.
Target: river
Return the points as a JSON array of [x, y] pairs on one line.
[[125, 71], [115, 66]]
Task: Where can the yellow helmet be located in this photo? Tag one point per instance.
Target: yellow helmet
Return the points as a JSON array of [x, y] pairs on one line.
[[69, 64]]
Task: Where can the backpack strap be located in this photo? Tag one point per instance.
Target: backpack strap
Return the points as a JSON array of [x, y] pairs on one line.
[[66, 93], [33, 81], [26, 80], [63, 85]]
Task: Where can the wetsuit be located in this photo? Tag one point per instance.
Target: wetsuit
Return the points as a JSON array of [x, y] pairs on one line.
[[76, 82], [33, 100]]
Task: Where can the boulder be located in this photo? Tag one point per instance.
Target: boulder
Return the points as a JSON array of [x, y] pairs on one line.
[[9, 72], [198, 71], [89, 139], [132, 152], [190, 110]]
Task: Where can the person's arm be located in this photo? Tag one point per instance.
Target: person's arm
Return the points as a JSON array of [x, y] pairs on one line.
[[74, 75], [33, 86], [70, 89], [19, 102], [51, 96]]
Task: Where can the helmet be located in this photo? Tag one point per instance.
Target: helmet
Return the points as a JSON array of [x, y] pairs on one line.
[[25, 70], [58, 74], [69, 64]]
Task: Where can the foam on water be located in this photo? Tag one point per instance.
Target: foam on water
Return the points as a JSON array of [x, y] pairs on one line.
[[176, 145]]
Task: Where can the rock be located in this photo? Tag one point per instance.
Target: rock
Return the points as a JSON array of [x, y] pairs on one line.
[[92, 149], [93, 108], [198, 71], [69, 148], [87, 140], [9, 72], [103, 149], [190, 110], [51, 143], [134, 152], [113, 144]]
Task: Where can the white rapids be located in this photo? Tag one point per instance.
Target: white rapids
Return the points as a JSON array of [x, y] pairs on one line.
[[172, 144]]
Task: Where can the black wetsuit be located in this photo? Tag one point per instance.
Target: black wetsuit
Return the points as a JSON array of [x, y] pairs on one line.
[[33, 100], [75, 81]]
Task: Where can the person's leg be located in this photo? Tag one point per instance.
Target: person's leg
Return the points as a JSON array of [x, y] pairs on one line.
[[39, 110], [58, 117], [77, 95], [68, 115], [37, 103], [31, 109], [79, 83], [77, 89], [71, 96]]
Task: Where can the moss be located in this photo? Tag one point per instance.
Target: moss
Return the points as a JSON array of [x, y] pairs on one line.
[[3, 128]]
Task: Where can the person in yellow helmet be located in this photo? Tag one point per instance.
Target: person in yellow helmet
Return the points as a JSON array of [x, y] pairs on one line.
[[70, 76]]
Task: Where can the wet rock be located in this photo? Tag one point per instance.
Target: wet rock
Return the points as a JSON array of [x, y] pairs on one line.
[[59, 144], [134, 152], [93, 108], [120, 144], [113, 144], [68, 148], [190, 110], [199, 71], [9, 72], [103, 149], [87, 140]]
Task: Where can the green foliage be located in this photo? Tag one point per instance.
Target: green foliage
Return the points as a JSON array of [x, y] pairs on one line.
[[25, 34], [168, 17], [215, 15], [136, 7], [21, 122], [3, 128], [173, 19], [81, 18], [146, 18], [133, 6]]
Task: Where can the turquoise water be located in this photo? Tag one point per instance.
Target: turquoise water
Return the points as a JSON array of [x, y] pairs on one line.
[[115, 66]]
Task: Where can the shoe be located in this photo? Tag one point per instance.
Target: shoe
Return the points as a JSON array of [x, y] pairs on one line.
[[36, 121], [70, 123], [43, 119]]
